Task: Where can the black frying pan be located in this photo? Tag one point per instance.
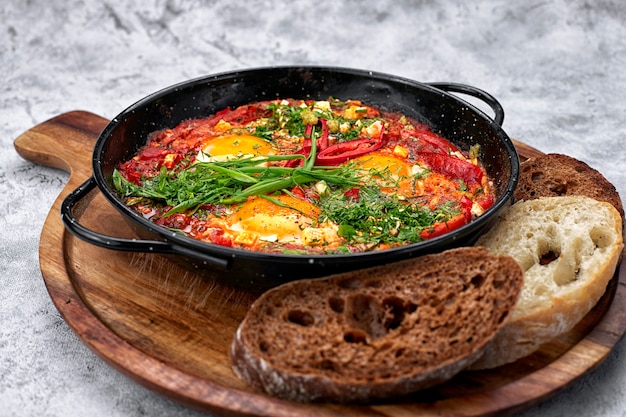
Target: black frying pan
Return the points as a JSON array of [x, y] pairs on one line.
[[447, 114]]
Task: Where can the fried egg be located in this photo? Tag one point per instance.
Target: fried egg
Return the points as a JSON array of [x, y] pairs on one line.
[[382, 164], [393, 173], [269, 221], [235, 146]]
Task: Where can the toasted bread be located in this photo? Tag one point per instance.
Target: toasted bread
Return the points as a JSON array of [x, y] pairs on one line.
[[553, 175], [377, 333], [569, 248]]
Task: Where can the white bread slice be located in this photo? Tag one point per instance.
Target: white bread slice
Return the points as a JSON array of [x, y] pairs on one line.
[[568, 247], [377, 333]]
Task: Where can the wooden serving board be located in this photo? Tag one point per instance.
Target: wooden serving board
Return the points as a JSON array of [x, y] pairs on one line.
[[170, 329]]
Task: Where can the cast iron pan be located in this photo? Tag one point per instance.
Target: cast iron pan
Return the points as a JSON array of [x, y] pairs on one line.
[[447, 114]]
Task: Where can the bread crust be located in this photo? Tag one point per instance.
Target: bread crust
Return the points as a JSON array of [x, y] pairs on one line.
[[553, 175], [585, 238], [377, 333]]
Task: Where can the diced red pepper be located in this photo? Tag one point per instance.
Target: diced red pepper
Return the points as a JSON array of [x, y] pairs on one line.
[[242, 114], [352, 194], [175, 221], [150, 153], [455, 222], [486, 201], [132, 171], [219, 115], [297, 191], [217, 236], [440, 228], [171, 159], [466, 208], [452, 167]]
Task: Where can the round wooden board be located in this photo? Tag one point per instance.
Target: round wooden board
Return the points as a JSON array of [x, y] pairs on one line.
[[169, 329]]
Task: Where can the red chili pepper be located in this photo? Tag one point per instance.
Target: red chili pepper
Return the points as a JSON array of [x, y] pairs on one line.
[[323, 141], [305, 150], [341, 152], [337, 153], [433, 143], [307, 132], [452, 167]]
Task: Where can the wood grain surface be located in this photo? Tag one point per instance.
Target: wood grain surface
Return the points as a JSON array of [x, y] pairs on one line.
[[170, 329]]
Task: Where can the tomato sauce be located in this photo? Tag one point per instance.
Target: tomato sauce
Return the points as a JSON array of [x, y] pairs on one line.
[[296, 176]]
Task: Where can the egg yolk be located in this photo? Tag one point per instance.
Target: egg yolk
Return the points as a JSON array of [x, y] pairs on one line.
[[379, 165], [282, 221], [388, 171], [237, 145]]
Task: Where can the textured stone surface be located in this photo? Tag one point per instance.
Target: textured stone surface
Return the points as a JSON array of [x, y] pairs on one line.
[[557, 68]]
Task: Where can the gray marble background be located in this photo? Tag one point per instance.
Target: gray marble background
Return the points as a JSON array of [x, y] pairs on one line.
[[558, 68]]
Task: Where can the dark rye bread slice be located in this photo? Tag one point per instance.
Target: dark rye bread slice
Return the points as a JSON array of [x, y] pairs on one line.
[[377, 333], [554, 175]]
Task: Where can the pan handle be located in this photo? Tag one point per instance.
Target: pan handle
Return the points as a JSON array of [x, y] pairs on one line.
[[476, 93], [121, 244]]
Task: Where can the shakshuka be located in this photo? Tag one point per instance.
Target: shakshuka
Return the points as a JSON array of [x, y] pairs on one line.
[[305, 177]]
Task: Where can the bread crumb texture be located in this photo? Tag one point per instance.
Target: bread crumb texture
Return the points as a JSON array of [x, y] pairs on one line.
[[568, 247], [376, 333]]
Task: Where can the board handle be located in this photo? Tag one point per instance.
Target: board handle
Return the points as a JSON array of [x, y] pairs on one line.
[[64, 142], [483, 96], [122, 244]]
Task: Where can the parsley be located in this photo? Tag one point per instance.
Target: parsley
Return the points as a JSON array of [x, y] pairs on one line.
[[294, 120], [264, 132], [375, 217], [287, 117]]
